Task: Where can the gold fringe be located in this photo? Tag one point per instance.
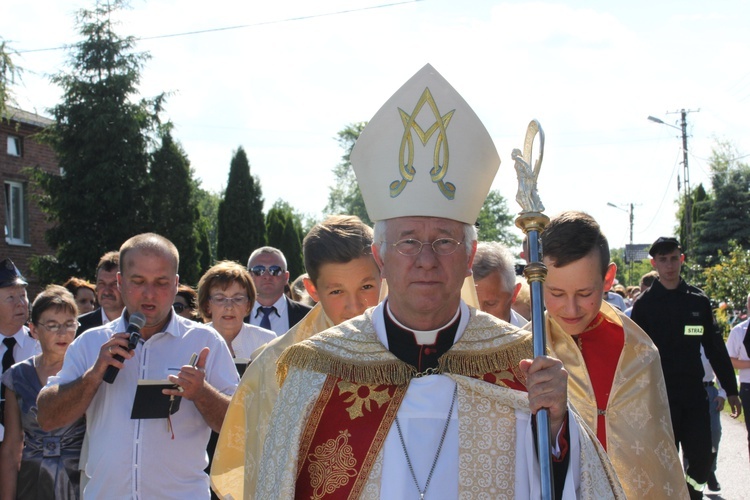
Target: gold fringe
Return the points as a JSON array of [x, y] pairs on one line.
[[301, 355], [474, 364], [397, 372]]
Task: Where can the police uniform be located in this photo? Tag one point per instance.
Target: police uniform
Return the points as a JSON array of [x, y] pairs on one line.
[[679, 321]]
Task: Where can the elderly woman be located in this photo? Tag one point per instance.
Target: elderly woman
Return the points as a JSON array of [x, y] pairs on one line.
[[226, 294], [33, 463]]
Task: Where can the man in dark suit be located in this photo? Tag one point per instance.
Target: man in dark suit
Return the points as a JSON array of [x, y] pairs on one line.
[[107, 294], [272, 310]]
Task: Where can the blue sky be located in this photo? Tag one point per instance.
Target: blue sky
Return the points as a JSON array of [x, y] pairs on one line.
[[590, 72]]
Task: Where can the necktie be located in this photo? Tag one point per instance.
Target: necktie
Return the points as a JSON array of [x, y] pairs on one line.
[[265, 321], [8, 361], [746, 340]]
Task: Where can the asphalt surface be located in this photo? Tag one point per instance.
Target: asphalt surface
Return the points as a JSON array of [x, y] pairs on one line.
[[733, 466]]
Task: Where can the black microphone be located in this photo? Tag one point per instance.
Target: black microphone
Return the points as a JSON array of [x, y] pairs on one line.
[[137, 320]]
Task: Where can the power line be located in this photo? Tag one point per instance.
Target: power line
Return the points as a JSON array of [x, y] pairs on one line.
[[664, 196], [244, 26]]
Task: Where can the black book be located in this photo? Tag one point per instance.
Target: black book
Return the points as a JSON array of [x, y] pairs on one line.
[[149, 401]]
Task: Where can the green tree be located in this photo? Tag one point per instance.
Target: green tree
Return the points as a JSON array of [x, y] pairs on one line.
[[495, 221], [724, 215], [101, 136], [623, 268], [208, 206], [204, 246], [345, 196], [285, 233], [174, 204], [728, 279], [9, 75], [241, 224]]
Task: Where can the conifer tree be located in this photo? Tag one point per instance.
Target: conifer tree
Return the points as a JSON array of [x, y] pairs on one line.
[[283, 230], [241, 224], [174, 205], [100, 136]]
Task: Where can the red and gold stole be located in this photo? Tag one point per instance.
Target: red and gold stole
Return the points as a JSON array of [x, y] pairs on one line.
[[601, 345], [343, 436]]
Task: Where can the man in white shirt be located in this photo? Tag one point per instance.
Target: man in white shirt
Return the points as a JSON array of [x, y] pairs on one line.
[[738, 346], [16, 344], [494, 272], [273, 310], [144, 458]]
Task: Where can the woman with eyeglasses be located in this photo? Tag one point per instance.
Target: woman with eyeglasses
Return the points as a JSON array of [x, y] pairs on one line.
[[186, 303], [35, 464], [226, 294]]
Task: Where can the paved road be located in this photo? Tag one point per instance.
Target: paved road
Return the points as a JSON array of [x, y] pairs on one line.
[[733, 468]]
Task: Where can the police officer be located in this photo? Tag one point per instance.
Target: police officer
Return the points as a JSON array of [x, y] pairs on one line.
[[679, 319]]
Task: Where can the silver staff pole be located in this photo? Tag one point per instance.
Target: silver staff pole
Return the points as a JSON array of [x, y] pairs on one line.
[[532, 222]]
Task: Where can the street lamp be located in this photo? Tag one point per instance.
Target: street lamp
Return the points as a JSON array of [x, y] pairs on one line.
[[687, 244], [630, 260]]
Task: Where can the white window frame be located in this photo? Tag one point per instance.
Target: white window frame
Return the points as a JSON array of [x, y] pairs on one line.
[[16, 214], [15, 146]]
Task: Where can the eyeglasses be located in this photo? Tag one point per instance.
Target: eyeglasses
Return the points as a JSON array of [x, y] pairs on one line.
[[441, 246], [224, 301], [54, 326], [271, 270], [179, 307]]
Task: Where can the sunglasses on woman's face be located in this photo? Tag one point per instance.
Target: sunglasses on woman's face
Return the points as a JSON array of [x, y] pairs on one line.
[[179, 307]]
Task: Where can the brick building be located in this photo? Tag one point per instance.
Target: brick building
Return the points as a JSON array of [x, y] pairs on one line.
[[23, 220]]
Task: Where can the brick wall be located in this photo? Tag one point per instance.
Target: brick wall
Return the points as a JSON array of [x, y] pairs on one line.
[[34, 154]]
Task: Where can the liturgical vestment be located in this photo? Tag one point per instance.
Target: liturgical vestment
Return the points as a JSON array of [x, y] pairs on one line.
[[331, 429], [637, 424]]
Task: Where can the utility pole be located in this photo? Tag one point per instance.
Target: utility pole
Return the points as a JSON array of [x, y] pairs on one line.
[[688, 203], [688, 243], [628, 258]]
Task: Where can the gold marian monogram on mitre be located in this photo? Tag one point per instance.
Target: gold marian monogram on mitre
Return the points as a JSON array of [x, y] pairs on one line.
[[406, 151]]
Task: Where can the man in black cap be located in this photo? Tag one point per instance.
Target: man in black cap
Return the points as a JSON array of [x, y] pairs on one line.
[[679, 319], [16, 344]]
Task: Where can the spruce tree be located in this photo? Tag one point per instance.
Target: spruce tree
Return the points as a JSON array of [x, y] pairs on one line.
[[241, 224], [100, 136], [175, 206]]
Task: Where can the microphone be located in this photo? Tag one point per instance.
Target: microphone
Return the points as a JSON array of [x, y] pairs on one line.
[[137, 320]]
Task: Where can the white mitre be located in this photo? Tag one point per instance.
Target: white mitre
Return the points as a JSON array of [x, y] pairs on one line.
[[425, 153]]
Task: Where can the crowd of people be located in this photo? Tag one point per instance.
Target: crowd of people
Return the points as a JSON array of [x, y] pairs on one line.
[[405, 368]]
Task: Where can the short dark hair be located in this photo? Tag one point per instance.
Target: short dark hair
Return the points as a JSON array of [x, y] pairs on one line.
[[53, 297], [110, 261], [338, 239], [649, 278], [573, 235], [223, 274]]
